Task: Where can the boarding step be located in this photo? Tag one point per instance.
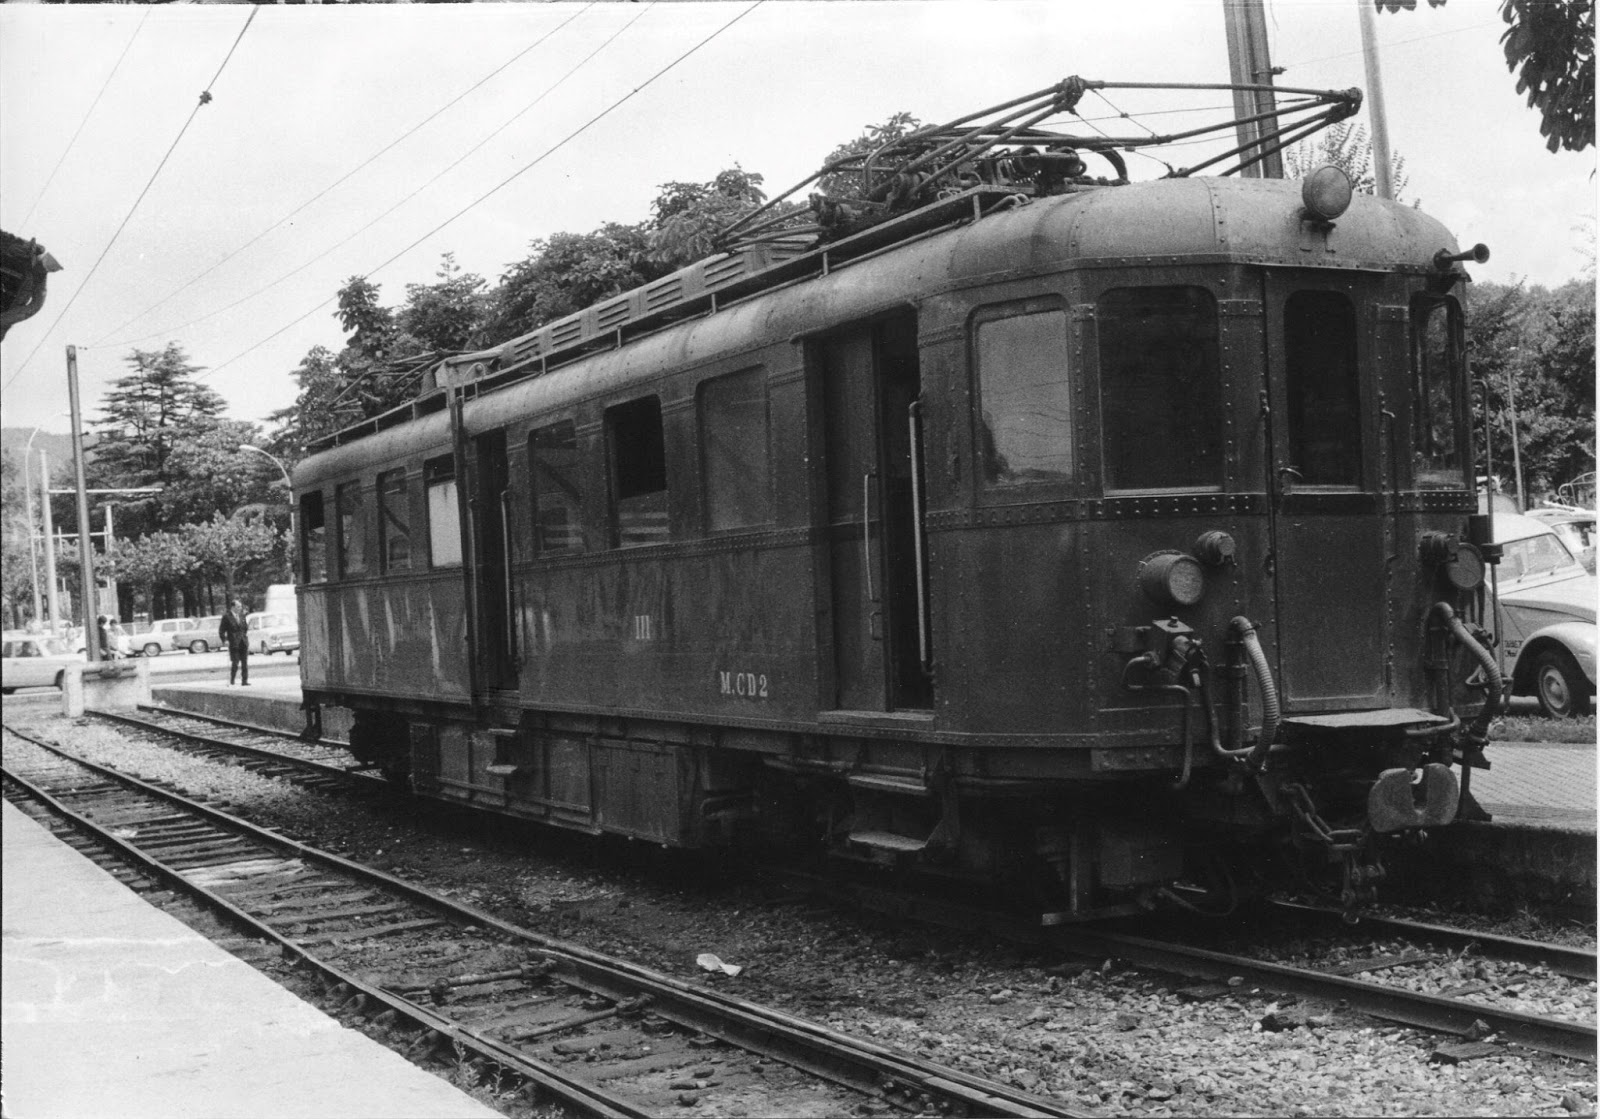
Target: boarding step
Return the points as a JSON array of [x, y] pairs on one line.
[[889, 841]]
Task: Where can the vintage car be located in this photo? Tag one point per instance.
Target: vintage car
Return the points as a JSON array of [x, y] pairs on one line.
[[273, 633], [165, 635], [29, 660], [1547, 609], [1574, 526]]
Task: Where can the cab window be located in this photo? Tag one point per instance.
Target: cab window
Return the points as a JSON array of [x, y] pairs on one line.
[[1324, 394], [1437, 376], [313, 538], [352, 529], [1160, 389], [394, 521], [1025, 396]]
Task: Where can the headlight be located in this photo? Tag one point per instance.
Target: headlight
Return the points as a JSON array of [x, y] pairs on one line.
[[1174, 578]]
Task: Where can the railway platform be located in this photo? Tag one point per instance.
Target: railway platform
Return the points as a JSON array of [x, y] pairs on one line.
[[112, 1007]]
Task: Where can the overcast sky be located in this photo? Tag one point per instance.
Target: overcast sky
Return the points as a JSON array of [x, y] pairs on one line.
[[310, 93]]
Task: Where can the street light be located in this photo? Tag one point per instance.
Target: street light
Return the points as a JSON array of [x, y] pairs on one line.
[[294, 535]]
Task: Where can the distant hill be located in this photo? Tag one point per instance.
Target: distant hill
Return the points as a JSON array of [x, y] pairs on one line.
[[14, 440]]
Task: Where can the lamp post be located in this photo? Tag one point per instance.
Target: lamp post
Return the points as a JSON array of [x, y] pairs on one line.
[[272, 458]]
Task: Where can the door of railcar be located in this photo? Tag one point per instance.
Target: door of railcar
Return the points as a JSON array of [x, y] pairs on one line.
[[1326, 489], [491, 575], [870, 387]]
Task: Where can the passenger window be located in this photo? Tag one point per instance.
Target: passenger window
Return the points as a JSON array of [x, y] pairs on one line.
[[1025, 398], [1160, 389], [313, 538], [1437, 374], [557, 505], [394, 521], [352, 529], [444, 514], [638, 452], [733, 435], [1324, 396]]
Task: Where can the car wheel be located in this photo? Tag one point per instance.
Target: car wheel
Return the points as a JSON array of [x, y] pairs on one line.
[[1559, 685], [152, 650], [199, 647]]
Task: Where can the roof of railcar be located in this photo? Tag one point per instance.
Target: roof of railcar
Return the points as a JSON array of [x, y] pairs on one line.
[[1182, 219]]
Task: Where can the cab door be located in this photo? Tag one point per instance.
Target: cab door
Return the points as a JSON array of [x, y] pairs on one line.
[[491, 563], [1325, 491]]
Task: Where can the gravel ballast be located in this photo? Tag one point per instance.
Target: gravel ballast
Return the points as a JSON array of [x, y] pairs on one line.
[[1092, 1033]]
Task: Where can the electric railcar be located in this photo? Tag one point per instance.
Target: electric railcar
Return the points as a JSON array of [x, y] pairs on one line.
[[1047, 541]]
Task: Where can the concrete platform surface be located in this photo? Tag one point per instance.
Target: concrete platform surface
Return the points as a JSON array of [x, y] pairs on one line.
[[1539, 785], [111, 1008]]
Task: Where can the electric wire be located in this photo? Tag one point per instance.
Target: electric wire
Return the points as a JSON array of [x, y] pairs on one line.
[[205, 98], [376, 218], [504, 182], [51, 178], [339, 181]]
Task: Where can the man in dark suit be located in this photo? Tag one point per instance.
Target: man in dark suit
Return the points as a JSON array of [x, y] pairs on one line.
[[235, 634]]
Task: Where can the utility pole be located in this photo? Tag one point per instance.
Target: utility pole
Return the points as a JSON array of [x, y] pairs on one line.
[[1250, 64], [91, 632], [52, 596], [1380, 120], [111, 579], [27, 503]]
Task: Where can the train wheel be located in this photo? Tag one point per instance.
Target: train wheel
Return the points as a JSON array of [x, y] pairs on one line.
[[1559, 685]]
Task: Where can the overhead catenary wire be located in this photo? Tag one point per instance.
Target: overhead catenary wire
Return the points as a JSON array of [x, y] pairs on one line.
[[506, 181], [204, 99], [401, 138], [51, 178], [376, 218]]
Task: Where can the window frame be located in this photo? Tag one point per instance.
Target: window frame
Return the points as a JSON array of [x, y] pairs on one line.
[[314, 545], [611, 419], [577, 523], [1416, 390], [768, 512], [351, 531], [433, 478], [1077, 444], [384, 491]]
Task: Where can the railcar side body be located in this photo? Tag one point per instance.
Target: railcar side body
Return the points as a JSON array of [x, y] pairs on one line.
[[1033, 541]]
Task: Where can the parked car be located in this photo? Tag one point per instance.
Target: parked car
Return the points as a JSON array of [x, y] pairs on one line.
[[165, 635], [273, 633], [203, 637], [1547, 609], [121, 643], [1574, 526], [30, 660]]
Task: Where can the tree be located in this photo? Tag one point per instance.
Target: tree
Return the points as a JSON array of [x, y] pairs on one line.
[[567, 272], [316, 409], [1549, 45], [144, 412], [225, 548], [845, 185], [1346, 147], [210, 475], [687, 217], [447, 315]]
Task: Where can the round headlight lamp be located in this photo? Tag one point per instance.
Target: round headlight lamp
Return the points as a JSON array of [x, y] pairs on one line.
[[1466, 570], [1326, 192], [1172, 578]]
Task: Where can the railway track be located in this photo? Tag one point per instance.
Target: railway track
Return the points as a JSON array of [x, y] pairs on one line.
[[1365, 989], [600, 1035], [1355, 984]]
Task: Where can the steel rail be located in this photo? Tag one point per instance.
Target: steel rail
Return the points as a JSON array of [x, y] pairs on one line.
[[1395, 1004], [796, 1041], [324, 768], [1563, 959]]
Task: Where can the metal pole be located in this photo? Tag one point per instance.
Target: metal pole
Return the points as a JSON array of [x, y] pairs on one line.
[[1380, 119], [111, 578], [1516, 443], [27, 501], [91, 634], [1249, 63], [52, 594]]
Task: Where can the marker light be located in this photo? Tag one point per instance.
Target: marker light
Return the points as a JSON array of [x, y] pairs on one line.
[[1326, 193], [1172, 577], [1465, 569]]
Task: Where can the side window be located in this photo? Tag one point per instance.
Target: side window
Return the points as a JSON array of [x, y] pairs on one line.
[[733, 447], [1025, 397], [1324, 388], [1160, 389], [557, 505], [394, 521], [638, 451], [352, 529], [313, 538], [1437, 375], [444, 515]]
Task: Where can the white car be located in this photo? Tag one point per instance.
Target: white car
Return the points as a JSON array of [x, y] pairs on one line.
[[166, 635], [273, 633], [34, 661], [1547, 610]]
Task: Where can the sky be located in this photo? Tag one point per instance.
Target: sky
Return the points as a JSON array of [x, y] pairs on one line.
[[229, 226]]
